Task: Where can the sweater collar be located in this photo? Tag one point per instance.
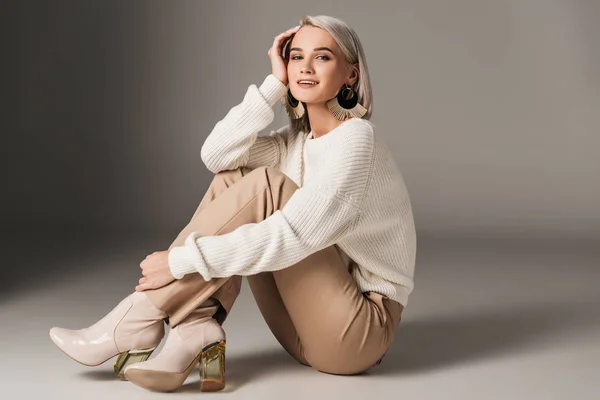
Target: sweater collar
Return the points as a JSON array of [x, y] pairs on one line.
[[309, 137]]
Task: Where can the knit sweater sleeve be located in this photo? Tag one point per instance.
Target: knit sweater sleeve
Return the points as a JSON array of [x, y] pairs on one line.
[[234, 140], [317, 215]]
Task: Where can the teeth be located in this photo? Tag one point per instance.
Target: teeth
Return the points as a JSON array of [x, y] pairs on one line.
[[312, 83]]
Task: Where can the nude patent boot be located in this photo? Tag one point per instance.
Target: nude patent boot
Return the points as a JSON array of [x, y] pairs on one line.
[[132, 330], [200, 341]]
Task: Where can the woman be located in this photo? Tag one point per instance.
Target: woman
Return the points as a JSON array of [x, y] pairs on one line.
[[316, 215]]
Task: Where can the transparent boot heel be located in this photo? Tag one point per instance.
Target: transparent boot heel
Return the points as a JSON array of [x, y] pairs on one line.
[[212, 367], [127, 358]]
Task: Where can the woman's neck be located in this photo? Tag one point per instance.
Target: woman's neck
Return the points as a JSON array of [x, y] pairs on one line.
[[321, 119]]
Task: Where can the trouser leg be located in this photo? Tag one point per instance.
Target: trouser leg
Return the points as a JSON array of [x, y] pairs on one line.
[[316, 311], [271, 306], [191, 293], [250, 196]]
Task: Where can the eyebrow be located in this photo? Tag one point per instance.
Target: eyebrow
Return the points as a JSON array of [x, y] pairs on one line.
[[315, 49]]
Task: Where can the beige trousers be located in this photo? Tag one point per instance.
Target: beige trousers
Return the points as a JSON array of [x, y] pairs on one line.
[[314, 308]]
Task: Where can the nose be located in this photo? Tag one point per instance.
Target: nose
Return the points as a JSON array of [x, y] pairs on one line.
[[306, 69]]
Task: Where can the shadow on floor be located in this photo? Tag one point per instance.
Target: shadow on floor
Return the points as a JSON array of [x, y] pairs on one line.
[[421, 346]]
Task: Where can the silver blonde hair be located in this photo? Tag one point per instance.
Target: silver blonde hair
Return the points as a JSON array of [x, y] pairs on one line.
[[352, 50]]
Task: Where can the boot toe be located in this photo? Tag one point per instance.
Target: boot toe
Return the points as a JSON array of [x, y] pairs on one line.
[[73, 344], [61, 336], [63, 339], [140, 366]]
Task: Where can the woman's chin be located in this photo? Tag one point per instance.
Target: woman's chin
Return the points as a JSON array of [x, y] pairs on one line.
[[308, 99], [307, 96]]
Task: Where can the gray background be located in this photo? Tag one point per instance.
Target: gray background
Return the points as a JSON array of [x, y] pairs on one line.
[[491, 108]]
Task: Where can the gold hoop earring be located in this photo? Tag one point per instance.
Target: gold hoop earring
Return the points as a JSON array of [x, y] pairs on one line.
[[294, 108], [345, 105]]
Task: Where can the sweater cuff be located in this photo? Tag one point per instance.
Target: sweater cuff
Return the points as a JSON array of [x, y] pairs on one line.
[[272, 89], [180, 262]]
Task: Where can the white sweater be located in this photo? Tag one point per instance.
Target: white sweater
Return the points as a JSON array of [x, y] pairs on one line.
[[354, 197]]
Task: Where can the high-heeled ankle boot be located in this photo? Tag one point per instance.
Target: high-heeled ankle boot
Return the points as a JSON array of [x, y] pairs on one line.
[[132, 330], [199, 341]]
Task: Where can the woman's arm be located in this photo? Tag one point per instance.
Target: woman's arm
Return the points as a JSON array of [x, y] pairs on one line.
[[234, 141], [317, 215]]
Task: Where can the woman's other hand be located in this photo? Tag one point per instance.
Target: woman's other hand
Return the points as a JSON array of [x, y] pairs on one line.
[[155, 270], [278, 63]]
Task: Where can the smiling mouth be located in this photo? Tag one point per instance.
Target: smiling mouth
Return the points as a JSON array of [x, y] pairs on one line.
[[307, 84]]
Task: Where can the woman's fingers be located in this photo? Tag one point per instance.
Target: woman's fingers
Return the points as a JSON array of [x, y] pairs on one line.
[[143, 284], [286, 33], [278, 64], [279, 38]]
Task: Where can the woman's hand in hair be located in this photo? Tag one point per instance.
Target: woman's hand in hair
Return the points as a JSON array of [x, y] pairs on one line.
[[278, 63]]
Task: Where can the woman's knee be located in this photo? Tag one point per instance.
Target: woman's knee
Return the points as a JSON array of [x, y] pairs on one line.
[[243, 171], [274, 177], [252, 173]]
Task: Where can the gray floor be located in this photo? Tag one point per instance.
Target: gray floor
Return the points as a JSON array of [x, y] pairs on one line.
[[489, 319]]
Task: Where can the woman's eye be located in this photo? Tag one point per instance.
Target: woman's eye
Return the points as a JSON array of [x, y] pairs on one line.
[[324, 57]]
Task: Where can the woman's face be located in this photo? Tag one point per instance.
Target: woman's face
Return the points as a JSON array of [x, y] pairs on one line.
[[309, 58]]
